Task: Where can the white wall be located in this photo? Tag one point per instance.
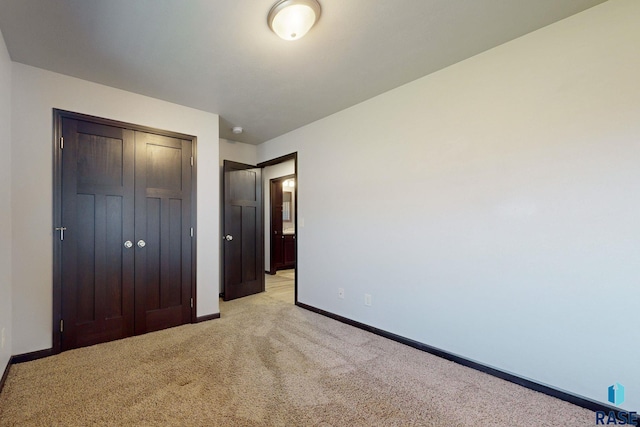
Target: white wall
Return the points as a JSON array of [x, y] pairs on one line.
[[35, 93], [269, 173], [5, 206], [238, 152], [492, 207]]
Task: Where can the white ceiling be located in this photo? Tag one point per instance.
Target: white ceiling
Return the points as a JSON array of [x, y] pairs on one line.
[[220, 56]]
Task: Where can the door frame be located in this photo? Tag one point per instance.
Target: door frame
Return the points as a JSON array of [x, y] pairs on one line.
[[292, 156], [58, 145]]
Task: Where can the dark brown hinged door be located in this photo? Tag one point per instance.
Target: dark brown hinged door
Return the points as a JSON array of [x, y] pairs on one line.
[[163, 232], [97, 212], [243, 231]]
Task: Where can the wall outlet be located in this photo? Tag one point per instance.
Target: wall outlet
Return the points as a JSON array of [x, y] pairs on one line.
[[367, 300], [341, 293]]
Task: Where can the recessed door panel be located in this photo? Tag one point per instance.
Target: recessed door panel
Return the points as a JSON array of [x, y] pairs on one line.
[[243, 185], [152, 261], [164, 167], [113, 254], [249, 243], [100, 160], [171, 295], [86, 241]]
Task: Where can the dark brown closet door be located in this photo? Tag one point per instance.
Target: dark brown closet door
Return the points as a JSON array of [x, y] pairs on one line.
[[126, 253], [97, 212], [163, 238]]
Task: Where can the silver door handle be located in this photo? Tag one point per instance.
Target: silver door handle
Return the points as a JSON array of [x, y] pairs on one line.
[[228, 237], [61, 230], [128, 244], [141, 243]]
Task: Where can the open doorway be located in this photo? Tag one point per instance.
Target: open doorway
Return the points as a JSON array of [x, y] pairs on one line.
[[282, 235], [246, 226], [280, 185]]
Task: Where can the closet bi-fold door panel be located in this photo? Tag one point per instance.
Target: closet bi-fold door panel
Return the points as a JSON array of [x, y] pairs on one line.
[[163, 239], [98, 217]]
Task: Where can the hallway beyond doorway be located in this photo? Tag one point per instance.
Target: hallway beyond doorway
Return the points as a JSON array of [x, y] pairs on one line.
[[281, 285]]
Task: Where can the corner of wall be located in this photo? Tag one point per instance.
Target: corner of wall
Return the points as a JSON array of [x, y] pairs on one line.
[[6, 281], [238, 152]]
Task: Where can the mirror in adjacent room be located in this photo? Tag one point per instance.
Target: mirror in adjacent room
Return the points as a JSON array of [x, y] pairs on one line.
[[288, 206]]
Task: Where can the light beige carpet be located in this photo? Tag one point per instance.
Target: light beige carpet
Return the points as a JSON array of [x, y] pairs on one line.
[[267, 363]]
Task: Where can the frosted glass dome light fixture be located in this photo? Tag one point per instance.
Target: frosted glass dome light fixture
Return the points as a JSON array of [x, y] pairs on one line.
[[292, 19]]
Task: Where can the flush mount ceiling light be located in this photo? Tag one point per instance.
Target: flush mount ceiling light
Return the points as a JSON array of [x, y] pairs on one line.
[[292, 19]]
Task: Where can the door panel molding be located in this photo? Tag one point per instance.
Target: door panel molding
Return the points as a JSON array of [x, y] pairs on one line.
[[188, 166]]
